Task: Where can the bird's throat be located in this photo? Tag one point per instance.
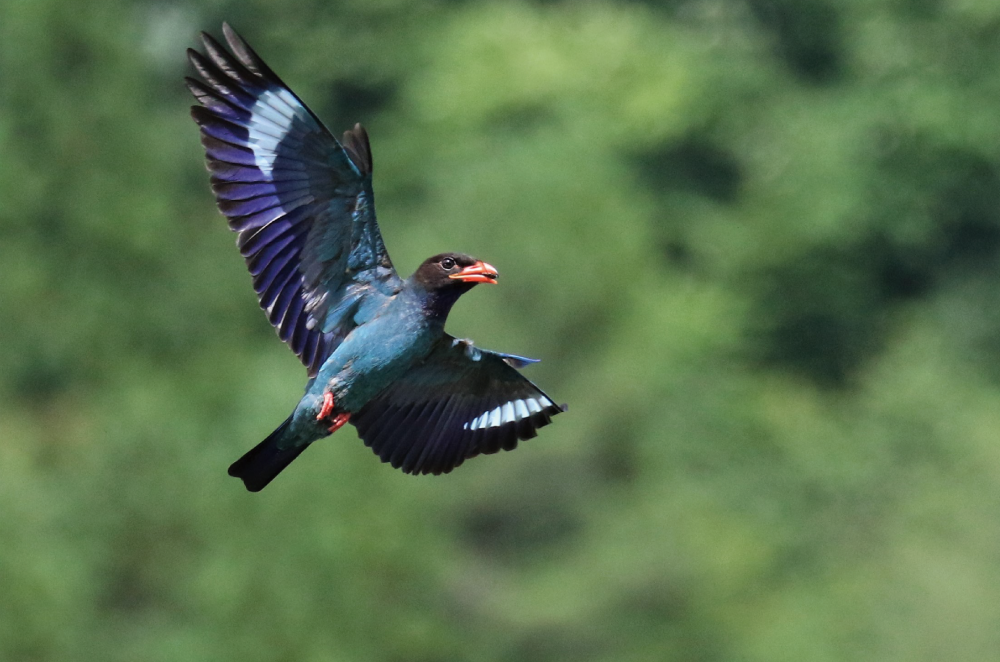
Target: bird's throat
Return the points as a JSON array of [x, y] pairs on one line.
[[437, 303]]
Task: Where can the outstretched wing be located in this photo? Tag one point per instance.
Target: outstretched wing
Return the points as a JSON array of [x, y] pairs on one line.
[[460, 402], [300, 200]]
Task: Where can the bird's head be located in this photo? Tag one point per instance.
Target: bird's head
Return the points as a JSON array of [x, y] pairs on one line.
[[454, 272], [445, 277]]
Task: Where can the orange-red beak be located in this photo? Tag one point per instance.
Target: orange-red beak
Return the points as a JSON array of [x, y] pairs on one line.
[[480, 272]]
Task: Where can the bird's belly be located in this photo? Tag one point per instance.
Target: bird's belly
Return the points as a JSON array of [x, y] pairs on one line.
[[364, 366]]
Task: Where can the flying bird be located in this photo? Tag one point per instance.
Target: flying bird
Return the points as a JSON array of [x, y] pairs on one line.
[[373, 343]]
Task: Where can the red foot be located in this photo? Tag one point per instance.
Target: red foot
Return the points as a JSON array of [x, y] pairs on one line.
[[337, 421], [327, 406]]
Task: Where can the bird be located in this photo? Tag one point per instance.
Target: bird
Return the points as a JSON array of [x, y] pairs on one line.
[[373, 344]]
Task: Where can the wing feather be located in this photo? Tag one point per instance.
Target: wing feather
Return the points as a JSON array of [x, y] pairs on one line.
[[300, 200], [459, 403]]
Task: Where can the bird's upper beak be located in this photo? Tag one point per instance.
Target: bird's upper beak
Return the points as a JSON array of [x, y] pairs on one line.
[[480, 272]]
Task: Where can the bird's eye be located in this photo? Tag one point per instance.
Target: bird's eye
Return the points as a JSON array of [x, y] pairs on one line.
[[447, 264]]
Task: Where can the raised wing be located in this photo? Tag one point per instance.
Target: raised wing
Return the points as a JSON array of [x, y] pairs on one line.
[[460, 402], [300, 200]]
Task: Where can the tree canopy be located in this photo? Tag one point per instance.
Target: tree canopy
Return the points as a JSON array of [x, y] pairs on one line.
[[755, 242]]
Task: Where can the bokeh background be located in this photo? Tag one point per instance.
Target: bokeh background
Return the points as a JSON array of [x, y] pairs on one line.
[[755, 242]]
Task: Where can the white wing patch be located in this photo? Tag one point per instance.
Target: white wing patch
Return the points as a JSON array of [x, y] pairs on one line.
[[271, 119], [510, 412]]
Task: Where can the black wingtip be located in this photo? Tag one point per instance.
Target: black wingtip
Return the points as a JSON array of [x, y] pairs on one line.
[[200, 114], [358, 148], [230, 34], [246, 55]]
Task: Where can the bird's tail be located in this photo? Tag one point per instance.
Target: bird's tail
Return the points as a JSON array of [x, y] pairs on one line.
[[266, 460]]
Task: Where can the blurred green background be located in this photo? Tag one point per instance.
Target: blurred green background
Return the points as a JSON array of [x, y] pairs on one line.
[[756, 243]]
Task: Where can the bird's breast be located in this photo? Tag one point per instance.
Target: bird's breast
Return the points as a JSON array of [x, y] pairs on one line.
[[372, 357]]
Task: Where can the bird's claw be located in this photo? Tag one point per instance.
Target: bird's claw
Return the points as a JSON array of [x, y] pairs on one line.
[[327, 406], [337, 421]]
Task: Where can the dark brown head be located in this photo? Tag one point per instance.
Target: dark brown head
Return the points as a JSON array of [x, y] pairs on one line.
[[453, 271], [445, 277]]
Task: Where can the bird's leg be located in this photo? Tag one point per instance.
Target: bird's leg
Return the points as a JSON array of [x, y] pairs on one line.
[[327, 406], [337, 421]]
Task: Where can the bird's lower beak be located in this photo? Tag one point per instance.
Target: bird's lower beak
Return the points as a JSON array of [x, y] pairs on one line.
[[480, 272]]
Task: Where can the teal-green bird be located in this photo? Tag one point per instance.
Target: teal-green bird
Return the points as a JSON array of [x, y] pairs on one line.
[[374, 344]]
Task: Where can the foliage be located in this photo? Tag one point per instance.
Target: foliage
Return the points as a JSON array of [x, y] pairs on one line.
[[755, 242]]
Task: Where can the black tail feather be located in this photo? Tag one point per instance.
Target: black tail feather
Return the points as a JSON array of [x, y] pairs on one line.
[[265, 460]]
